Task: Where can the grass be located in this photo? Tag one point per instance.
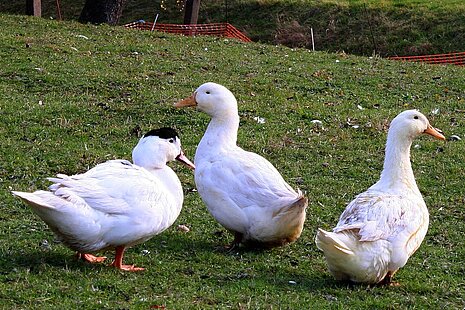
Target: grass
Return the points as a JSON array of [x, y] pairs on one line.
[[386, 28], [73, 96]]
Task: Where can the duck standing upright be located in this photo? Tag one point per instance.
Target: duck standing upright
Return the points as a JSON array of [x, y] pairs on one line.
[[383, 226], [116, 204], [242, 190]]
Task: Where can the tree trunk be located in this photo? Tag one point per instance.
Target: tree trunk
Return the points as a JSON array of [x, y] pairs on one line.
[[191, 12], [102, 11], [34, 7]]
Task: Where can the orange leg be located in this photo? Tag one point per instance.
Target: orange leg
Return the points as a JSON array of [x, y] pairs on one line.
[[90, 258], [388, 280], [118, 263], [236, 242]]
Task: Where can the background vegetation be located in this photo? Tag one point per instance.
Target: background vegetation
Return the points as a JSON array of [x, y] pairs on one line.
[[362, 27], [74, 95]]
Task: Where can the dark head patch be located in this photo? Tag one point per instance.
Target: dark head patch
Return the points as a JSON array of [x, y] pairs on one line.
[[163, 133]]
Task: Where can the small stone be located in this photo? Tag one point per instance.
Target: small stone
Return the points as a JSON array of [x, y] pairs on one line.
[[330, 298], [259, 119], [145, 252], [45, 245], [183, 228]]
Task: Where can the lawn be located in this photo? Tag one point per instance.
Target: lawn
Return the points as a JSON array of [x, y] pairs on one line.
[[73, 96]]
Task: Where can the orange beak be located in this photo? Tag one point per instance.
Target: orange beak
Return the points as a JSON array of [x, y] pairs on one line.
[[188, 102], [437, 133], [185, 161]]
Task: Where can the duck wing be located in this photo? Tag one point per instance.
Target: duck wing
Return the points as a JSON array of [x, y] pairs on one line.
[[247, 179], [115, 187], [400, 219]]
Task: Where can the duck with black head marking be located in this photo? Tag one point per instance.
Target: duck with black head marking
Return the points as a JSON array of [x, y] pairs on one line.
[[242, 190], [116, 204]]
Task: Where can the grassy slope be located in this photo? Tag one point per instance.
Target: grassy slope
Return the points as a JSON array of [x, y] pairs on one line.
[[414, 27], [356, 27], [73, 96]]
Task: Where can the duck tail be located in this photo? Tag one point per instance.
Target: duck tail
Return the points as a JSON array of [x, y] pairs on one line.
[[341, 259], [33, 199], [301, 202], [349, 259], [289, 221], [331, 245]]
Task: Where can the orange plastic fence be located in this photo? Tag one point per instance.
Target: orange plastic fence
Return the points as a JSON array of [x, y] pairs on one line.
[[216, 29], [452, 58]]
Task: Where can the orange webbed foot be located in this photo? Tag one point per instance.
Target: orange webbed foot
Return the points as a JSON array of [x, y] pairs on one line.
[[387, 281], [90, 258], [118, 263], [131, 268]]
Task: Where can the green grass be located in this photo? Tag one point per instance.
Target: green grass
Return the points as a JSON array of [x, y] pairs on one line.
[[73, 96], [386, 28]]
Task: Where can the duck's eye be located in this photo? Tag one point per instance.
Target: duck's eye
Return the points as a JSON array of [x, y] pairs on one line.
[[415, 117], [207, 92], [171, 140]]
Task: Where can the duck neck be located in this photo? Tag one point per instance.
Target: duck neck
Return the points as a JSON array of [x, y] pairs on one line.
[[170, 181], [397, 170], [221, 132]]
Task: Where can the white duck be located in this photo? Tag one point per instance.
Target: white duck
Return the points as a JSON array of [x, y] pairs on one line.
[[242, 190], [382, 227], [116, 204]]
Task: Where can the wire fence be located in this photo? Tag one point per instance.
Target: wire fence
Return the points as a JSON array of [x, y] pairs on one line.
[[450, 58], [216, 29], [229, 31]]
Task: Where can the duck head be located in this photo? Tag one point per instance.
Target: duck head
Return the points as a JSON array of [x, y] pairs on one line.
[[213, 99], [157, 147], [412, 123]]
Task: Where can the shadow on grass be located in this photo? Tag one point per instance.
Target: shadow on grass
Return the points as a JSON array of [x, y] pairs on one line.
[[276, 268], [272, 269], [36, 261], [163, 247]]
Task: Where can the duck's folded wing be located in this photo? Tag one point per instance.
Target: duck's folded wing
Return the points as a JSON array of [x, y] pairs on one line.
[[111, 187], [386, 217], [250, 180]]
